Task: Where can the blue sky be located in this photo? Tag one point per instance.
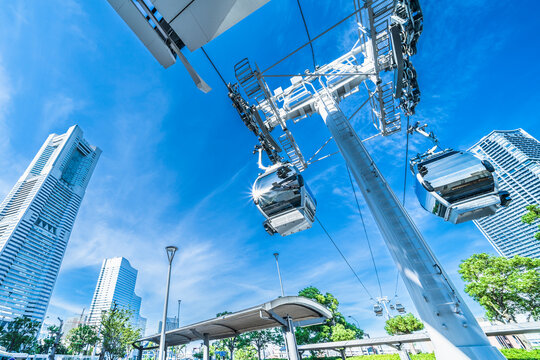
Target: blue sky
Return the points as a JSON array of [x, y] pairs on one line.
[[177, 166]]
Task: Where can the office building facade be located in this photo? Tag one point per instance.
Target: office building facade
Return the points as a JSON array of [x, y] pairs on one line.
[[516, 157], [36, 219], [116, 285]]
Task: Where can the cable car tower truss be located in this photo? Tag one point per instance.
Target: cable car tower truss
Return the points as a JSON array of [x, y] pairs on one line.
[[388, 32]]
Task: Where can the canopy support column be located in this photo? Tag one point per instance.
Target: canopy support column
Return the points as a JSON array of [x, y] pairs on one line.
[[206, 347], [139, 353], [290, 340]]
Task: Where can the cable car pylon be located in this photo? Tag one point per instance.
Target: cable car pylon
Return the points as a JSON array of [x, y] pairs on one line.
[[453, 329], [388, 30]]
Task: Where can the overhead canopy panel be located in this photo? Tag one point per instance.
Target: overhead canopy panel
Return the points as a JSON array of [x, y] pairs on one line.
[[301, 310], [144, 30], [197, 22]]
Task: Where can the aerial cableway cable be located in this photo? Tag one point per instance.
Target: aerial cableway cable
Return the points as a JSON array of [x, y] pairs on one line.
[[405, 172], [365, 230], [406, 162], [309, 42], [308, 36], [214, 66], [344, 258]]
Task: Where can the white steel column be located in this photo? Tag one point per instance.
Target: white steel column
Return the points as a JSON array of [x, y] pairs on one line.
[[206, 347], [290, 340], [453, 330]]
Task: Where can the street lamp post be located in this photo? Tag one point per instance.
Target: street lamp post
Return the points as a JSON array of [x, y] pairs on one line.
[[171, 250], [178, 314], [276, 255]]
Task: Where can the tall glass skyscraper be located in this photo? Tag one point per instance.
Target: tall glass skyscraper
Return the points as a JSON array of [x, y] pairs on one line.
[[36, 219], [116, 284], [516, 157]]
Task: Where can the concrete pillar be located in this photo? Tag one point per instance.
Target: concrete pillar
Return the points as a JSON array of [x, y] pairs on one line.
[[206, 347], [290, 341]]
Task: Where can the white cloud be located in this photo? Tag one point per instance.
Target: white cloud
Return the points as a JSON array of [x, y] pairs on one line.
[[57, 112]]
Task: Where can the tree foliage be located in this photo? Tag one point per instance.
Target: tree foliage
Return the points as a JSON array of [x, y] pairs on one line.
[[333, 328], [20, 334], [117, 332], [531, 216], [247, 352], [504, 287], [403, 324], [81, 338], [231, 344], [260, 339]]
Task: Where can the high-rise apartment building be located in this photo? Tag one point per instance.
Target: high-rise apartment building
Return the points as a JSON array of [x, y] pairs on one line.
[[36, 219], [516, 157], [172, 323], [116, 285]]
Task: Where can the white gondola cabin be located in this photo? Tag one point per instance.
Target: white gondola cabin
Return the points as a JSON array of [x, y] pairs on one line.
[[457, 186], [378, 309], [284, 199]]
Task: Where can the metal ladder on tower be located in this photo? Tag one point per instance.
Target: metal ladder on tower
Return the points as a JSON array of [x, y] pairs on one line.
[[247, 78], [379, 15], [386, 118], [250, 83]]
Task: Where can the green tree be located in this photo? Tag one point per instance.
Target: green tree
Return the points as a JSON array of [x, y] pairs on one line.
[[233, 343], [81, 338], [20, 335], [53, 343], [531, 216], [340, 333], [117, 333], [324, 332], [403, 324], [504, 287], [259, 339], [247, 352]]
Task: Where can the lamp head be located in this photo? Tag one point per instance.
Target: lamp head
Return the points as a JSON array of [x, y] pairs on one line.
[[170, 252], [276, 255]]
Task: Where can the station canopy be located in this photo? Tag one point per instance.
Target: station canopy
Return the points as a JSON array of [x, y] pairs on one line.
[[301, 310]]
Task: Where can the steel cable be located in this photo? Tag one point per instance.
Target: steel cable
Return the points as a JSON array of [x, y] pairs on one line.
[[365, 231], [344, 258], [214, 66], [308, 36]]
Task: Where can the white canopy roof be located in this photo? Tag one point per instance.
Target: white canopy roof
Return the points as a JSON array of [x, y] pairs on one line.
[[272, 314]]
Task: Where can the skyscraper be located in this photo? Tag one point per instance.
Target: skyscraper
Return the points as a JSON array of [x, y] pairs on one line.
[[116, 284], [516, 157], [36, 219]]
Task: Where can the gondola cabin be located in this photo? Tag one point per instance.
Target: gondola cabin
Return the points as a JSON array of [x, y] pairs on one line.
[[457, 186], [378, 310], [284, 199]]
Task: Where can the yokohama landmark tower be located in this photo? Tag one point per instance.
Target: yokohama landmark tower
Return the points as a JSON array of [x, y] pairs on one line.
[[36, 219]]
